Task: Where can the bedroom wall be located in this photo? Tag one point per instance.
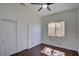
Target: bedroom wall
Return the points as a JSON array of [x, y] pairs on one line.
[[70, 18], [19, 13]]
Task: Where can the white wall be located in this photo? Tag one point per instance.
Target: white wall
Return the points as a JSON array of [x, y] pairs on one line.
[[18, 13], [69, 41]]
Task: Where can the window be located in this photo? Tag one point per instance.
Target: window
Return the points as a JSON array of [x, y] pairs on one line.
[[56, 29], [51, 29]]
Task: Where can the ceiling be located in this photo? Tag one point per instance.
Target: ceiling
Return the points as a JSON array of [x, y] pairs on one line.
[[57, 7]]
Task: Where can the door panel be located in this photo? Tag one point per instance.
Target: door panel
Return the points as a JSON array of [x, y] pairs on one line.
[[33, 35], [8, 38], [21, 36], [0, 39]]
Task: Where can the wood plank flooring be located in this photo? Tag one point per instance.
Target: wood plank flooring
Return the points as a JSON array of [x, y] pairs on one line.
[[35, 51]]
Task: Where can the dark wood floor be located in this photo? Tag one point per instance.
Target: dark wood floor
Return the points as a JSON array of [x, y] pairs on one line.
[[35, 51]]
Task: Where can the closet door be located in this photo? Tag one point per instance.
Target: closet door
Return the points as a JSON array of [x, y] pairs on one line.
[[8, 38], [0, 40], [21, 36], [33, 35]]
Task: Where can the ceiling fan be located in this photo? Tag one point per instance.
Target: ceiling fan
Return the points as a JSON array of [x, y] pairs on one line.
[[43, 5]]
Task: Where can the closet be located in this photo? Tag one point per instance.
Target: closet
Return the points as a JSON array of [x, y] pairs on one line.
[[16, 37], [28, 36]]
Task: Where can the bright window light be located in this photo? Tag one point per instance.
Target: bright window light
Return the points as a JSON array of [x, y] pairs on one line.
[[56, 29]]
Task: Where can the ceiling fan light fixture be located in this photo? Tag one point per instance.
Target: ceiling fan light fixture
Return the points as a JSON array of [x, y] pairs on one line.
[[44, 5]]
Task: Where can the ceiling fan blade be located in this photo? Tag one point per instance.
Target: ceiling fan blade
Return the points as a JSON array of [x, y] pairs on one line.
[[36, 3], [48, 8], [49, 3], [39, 9], [22, 4]]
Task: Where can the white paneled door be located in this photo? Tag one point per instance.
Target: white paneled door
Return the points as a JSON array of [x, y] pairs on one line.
[[21, 36], [8, 37], [33, 35], [0, 39]]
